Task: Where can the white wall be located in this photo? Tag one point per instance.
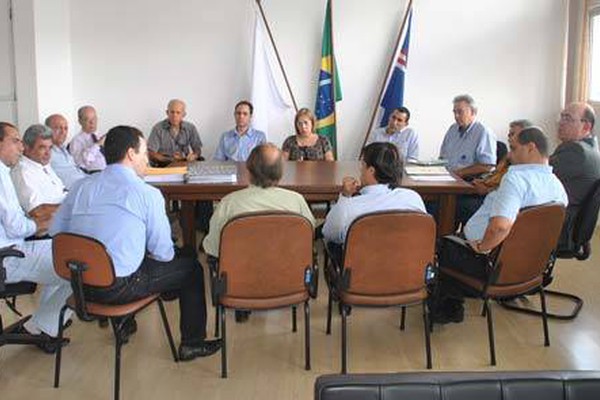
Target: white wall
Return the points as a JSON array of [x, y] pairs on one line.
[[129, 57], [7, 74]]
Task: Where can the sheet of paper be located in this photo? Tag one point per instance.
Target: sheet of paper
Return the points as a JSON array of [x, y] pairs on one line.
[[433, 178], [428, 170]]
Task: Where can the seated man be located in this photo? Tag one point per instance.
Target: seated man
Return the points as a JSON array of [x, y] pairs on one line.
[[528, 182], [128, 216], [61, 160], [174, 139], [469, 146], [377, 190], [399, 133], [35, 181], [37, 266], [576, 161], [86, 146], [236, 144]]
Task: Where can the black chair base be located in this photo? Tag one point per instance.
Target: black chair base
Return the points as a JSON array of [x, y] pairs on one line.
[[13, 334], [575, 300]]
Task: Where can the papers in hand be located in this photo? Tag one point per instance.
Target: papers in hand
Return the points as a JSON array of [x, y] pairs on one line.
[[163, 175], [200, 172]]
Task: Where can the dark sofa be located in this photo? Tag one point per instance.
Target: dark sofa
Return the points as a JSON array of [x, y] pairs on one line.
[[526, 385]]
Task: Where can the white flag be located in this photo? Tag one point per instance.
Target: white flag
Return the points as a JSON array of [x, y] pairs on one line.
[[273, 110]]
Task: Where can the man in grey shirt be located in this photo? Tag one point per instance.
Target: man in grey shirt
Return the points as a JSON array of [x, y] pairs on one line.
[[174, 139]]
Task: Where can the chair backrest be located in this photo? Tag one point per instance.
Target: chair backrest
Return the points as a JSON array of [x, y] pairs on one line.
[[72, 251], [387, 253], [526, 251], [587, 216], [265, 255]]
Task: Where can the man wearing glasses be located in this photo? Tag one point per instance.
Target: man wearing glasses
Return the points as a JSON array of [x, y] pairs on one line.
[[576, 161]]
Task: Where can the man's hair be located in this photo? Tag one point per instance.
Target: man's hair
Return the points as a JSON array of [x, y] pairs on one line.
[[589, 115], [536, 136], [4, 126], [48, 120], [245, 103], [305, 112], [387, 162], [82, 110], [172, 102], [119, 140], [263, 171], [521, 123], [403, 110], [34, 132], [467, 99]]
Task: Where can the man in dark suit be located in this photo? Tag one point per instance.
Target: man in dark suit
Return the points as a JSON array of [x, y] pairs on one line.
[[576, 161]]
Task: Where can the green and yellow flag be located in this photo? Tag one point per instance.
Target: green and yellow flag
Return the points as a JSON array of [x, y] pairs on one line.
[[329, 86]]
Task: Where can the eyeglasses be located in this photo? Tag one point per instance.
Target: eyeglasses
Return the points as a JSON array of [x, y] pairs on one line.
[[569, 119]]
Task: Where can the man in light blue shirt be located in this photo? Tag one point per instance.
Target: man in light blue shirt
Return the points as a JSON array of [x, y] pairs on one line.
[[15, 226], [469, 146], [236, 144], [399, 133], [61, 160], [128, 216], [380, 176], [528, 182]]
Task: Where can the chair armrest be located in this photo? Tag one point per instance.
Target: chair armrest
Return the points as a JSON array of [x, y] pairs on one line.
[[7, 252]]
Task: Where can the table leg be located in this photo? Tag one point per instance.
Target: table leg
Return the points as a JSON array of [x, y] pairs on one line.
[[447, 211], [188, 222]]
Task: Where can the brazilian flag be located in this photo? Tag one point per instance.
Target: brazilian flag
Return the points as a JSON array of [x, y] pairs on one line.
[[325, 107]]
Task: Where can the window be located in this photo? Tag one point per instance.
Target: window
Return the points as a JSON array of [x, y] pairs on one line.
[[595, 56]]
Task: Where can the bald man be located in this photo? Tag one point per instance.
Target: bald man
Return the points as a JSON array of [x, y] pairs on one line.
[[174, 139], [266, 169], [576, 161], [61, 160]]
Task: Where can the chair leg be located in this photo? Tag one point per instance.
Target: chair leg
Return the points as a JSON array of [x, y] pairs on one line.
[[544, 318], [403, 318], [223, 314], [167, 327], [118, 344], [294, 319], [307, 336], [217, 321], [490, 331], [427, 336], [57, 360], [329, 306], [484, 310], [344, 338]]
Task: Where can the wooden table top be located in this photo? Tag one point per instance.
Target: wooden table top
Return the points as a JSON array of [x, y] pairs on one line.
[[317, 180]]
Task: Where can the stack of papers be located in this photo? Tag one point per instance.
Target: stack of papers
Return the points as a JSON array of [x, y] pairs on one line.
[[433, 173], [162, 175], [200, 172]]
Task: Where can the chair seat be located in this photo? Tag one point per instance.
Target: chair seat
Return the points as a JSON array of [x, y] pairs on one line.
[[385, 300], [264, 304], [114, 310], [494, 291], [16, 289]]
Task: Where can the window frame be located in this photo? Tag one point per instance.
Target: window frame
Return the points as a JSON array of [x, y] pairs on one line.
[[593, 13]]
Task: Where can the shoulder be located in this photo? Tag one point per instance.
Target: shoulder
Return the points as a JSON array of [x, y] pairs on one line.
[[452, 130], [324, 140], [188, 126], [289, 141], [410, 131], [481, 129], [259, 134]]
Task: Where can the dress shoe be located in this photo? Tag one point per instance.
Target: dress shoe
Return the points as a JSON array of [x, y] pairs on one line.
[[48, 344], [128, 329], [205, 349], [242, 316]]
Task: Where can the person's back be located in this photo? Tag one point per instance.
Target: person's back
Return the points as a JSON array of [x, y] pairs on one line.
[[265, 167], [381, 173]]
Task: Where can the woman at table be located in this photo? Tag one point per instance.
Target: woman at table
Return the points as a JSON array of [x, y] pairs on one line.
[[306, 144]]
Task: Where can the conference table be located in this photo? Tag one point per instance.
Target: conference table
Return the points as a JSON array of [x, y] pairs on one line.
[[317, 181]]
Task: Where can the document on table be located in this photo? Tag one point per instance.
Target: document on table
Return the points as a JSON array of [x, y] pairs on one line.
[[433, 178], [426, 170]]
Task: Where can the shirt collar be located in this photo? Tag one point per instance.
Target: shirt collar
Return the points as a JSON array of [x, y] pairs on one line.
[[33, 163], [120, 169], [375, 189], [249, 133], [545, 168], [167, 125], [4, 168]]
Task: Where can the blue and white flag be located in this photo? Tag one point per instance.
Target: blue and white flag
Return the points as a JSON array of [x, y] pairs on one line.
[[393, 95]]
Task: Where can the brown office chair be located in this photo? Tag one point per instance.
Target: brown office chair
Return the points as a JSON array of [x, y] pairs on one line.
[[14, 334], [265, 262], [518, 264], [385, 260], [85, 262]]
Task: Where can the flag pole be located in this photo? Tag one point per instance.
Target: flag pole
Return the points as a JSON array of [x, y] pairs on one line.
[[285, 77], [390, 65], [333, 72]]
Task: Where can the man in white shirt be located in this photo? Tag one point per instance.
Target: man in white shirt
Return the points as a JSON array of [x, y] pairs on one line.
[[35, 181], [15, 226], [61, 160], [377, 190], [399, 133], [86, 147]]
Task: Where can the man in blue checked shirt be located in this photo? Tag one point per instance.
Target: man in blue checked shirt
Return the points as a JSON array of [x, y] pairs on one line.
[[236, 144]]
